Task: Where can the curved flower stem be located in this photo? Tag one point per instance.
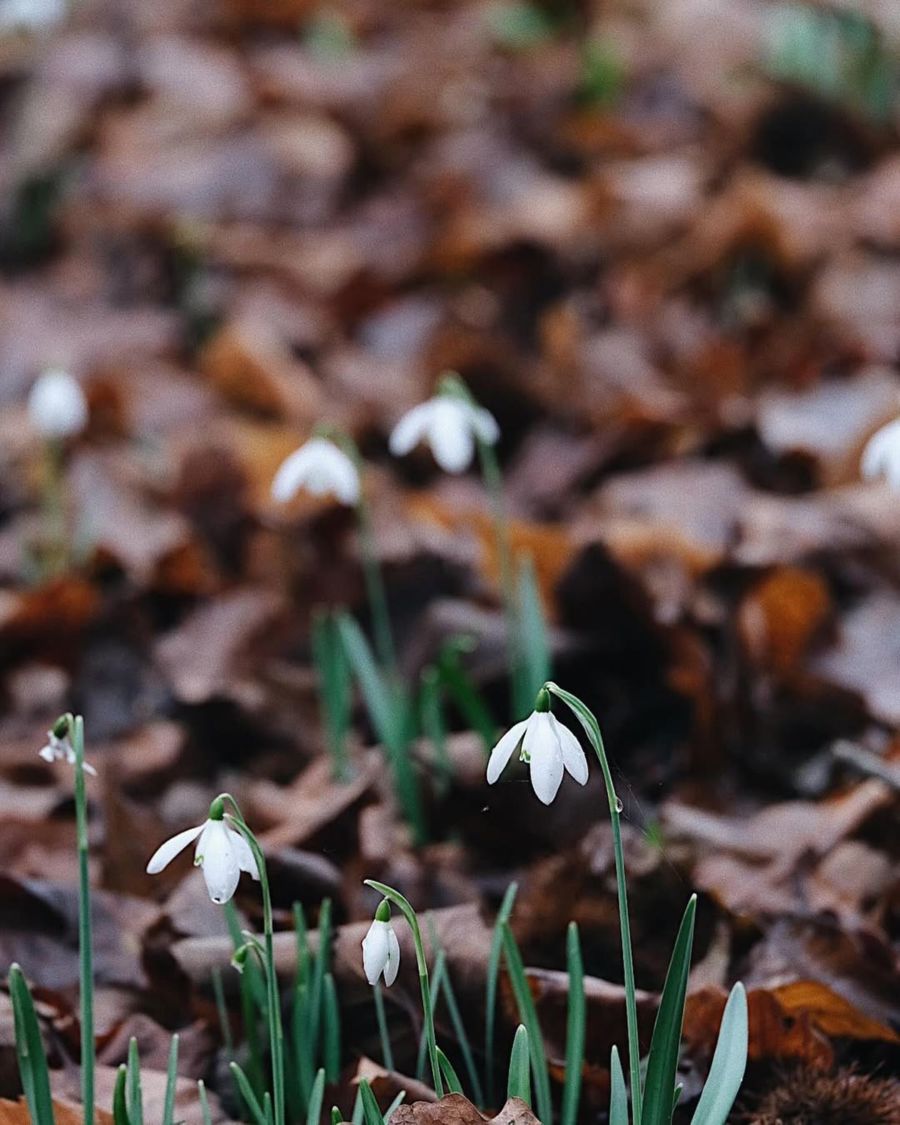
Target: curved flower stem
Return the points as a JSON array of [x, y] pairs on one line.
[[427, 1010], [86, 968], [592, 729], [276, 1034]]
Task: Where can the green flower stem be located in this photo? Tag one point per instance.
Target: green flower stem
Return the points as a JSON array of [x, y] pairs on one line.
[[86, 969], [57, 549], [381, 618], [273, 1013], [592, 729], [427, 1009], [493, 483], [387, 1055]]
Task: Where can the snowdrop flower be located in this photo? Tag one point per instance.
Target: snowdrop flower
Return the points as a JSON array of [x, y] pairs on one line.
[[881, 456], [56, 405], [449, 423], [221, 851], [59, 749], [321, 467], [380, 948], [546, 745]]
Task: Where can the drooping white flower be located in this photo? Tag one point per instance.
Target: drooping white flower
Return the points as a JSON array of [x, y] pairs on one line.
[[449, 424], [881, 455], [56, 405], [547, 746], [322, 468], [380, 948], [221, 852], [60, 749]]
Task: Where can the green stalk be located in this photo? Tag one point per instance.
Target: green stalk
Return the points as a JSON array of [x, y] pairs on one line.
[[493, 483], [493, 970], [273, 1012], [427, 1010], [57, 556], [387, 1055], [592, 729], [86, 968], [378, 606]]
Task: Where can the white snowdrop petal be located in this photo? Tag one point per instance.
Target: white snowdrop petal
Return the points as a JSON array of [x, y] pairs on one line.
[[504, 750], [573, 755], [450, 436], [542, 748], [56, 405], [166, 852], [48, 753], [484, 424], [881, 455], [341, 473], [291, 475], [221, 869], [546, 771], [410, 430], [375, 950], [244, 853], [393, 962]]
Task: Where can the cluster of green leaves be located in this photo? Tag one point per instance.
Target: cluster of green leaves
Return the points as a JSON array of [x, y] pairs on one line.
[[399, 712], [837, 53], [313, 1032]]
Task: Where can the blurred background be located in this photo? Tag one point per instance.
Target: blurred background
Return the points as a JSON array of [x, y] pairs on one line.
[[659, 242]]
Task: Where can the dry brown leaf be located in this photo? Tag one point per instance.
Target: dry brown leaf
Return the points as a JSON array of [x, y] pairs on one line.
[[16, 1113], [454, 1109], [781, 616]]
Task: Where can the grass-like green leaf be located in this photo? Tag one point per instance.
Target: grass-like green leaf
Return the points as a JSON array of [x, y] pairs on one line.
[[168, 1116], [528, 1016], [120, 1103], [247, 1093], [391, 713], [135, 1098], [659, 1086], [450, 1076], [575, 1027], [356, 1117], [460, 687], [331, 1042], [534, 646], [204, 1103], [434, 726], [30, 1050], [493, 970], [252, 991], [316, 1097], [729, 1062], [371, 1112], [317, 980], [518, 1081], [459, 1028], [389, 1112], [618, 1093]]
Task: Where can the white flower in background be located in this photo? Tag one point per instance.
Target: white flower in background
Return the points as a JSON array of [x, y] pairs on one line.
[[450, 424], [881, 456], [321, 467], [56, 405], [221, 851], [380, 948], [31, 15], [547, 746], [60, 749]]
